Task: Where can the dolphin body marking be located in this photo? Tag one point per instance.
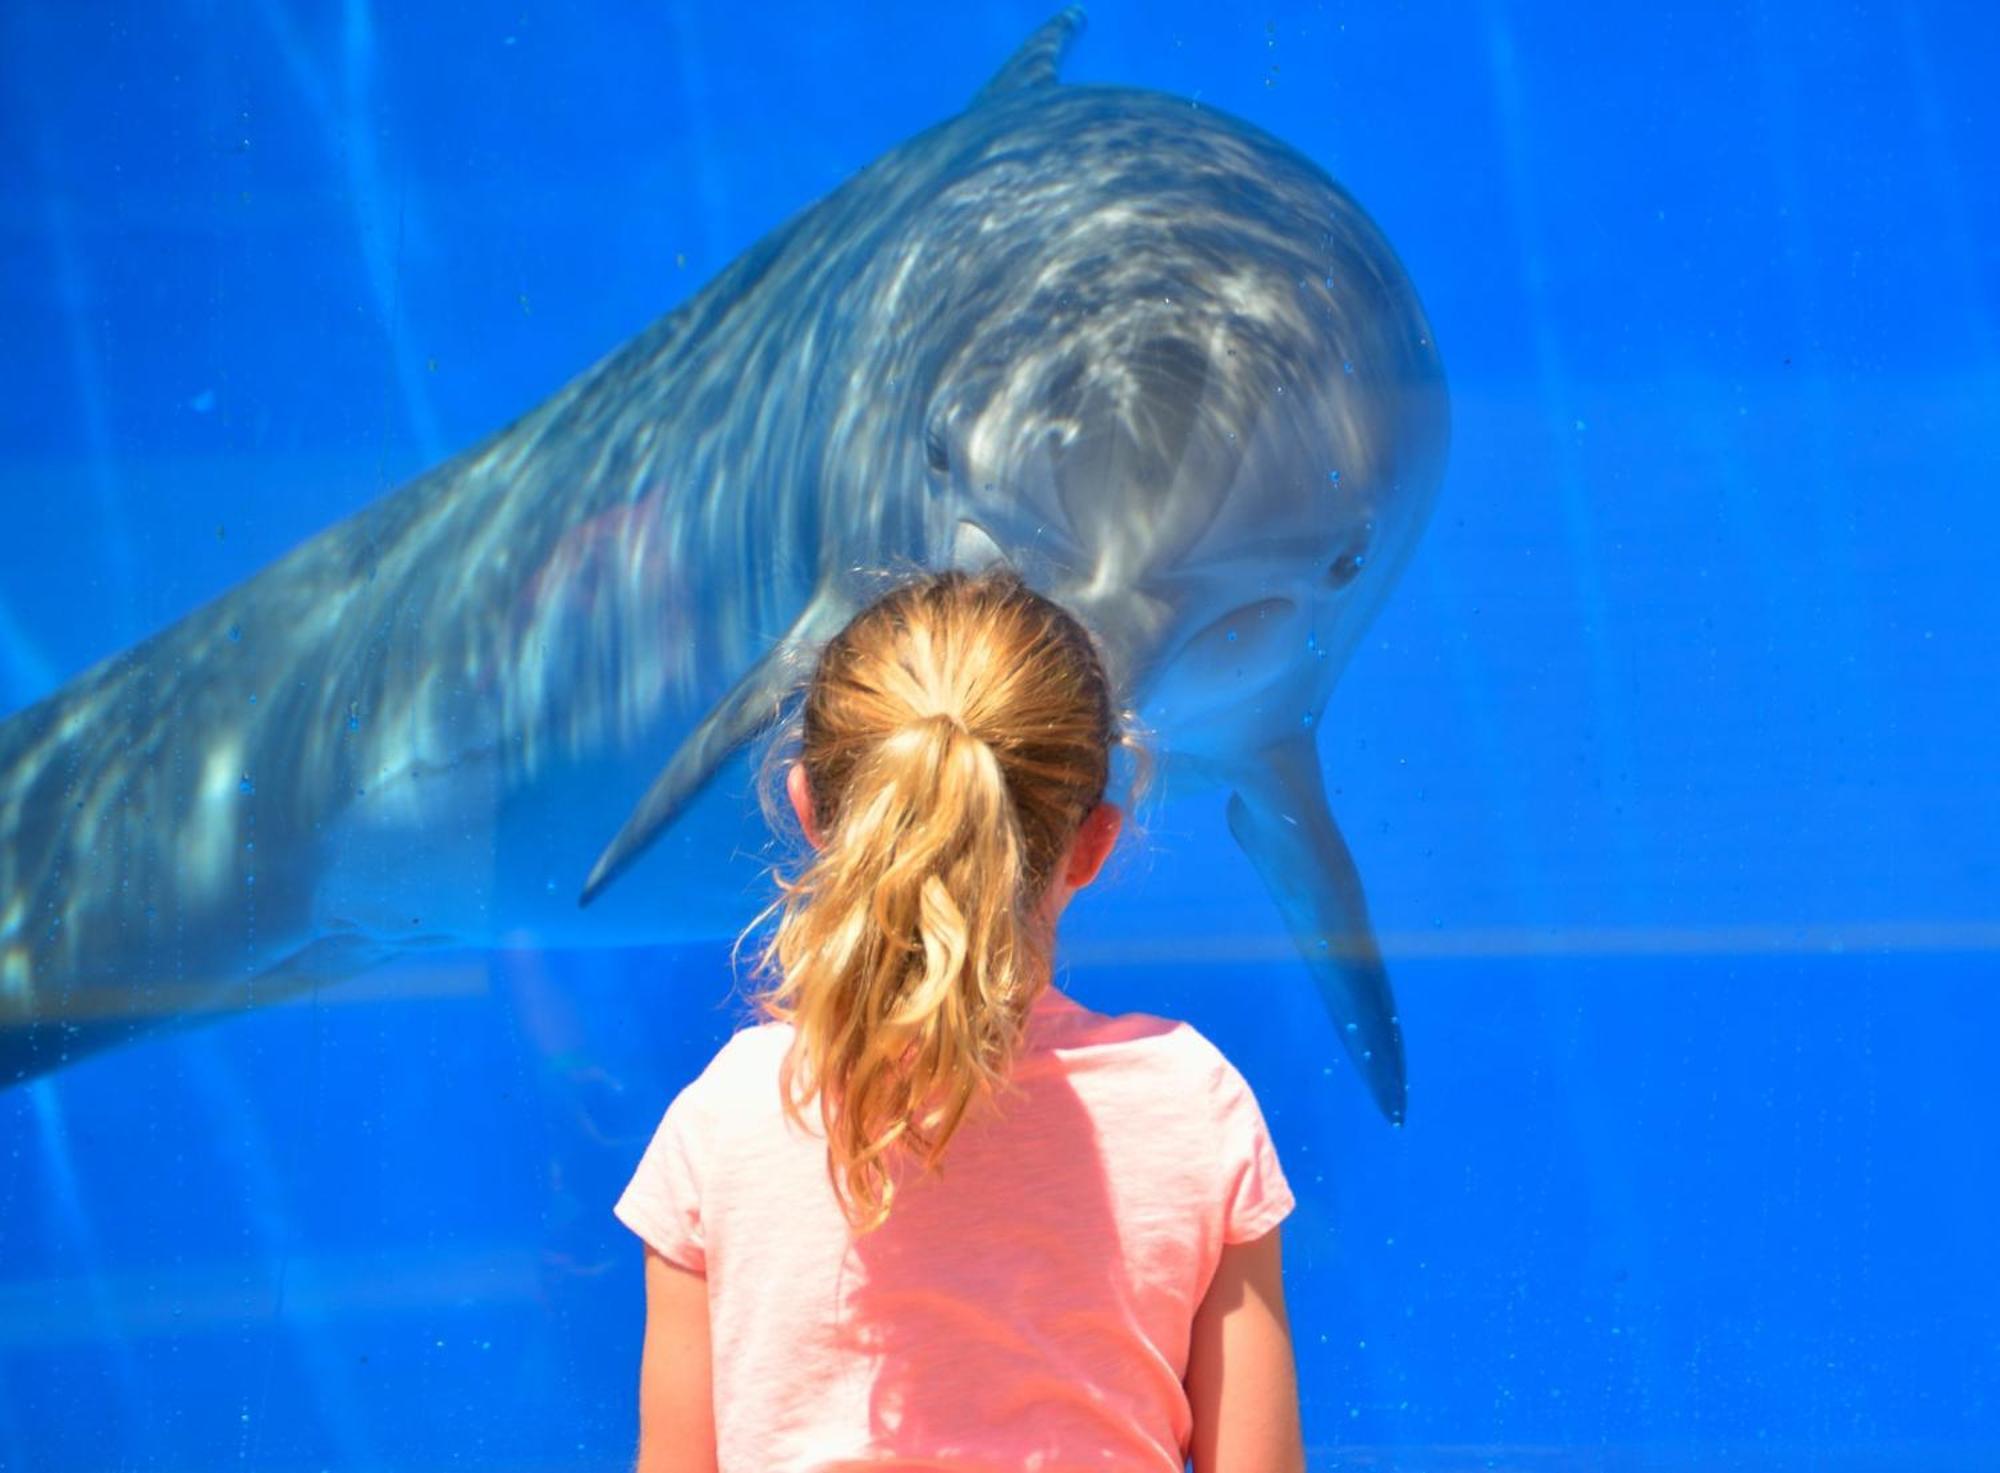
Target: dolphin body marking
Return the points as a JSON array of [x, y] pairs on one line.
[[1148, 354]]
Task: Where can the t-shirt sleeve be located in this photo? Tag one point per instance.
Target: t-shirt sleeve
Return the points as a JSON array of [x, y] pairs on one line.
[[1255, 1195], [662, 1202]]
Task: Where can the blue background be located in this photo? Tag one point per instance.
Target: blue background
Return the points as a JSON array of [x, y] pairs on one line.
[[1670, 763]]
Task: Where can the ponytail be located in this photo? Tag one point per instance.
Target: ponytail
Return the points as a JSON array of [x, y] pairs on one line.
[[953, 737]]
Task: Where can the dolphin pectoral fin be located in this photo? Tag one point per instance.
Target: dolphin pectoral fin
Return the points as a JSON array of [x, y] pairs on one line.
[[1039, 61], [1279, 815], [751, 706]]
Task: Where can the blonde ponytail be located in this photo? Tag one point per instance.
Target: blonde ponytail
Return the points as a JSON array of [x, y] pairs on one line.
[[953, 737]]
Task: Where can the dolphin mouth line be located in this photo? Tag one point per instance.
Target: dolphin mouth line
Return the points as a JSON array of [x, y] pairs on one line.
[[1238, 625]]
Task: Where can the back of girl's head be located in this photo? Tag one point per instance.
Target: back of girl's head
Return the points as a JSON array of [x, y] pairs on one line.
[[953, 737]]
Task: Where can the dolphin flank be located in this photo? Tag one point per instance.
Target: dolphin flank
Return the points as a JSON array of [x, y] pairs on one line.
[[1149, 355]]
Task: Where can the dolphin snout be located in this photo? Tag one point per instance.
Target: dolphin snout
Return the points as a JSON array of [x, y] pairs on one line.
[[1250, 638]]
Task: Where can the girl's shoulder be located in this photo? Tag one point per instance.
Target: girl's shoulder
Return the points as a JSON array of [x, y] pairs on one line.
[[1134, 1040], [1173, 1046]]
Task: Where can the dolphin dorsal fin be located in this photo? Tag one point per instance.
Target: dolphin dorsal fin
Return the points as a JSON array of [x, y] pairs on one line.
[[1038, 61]]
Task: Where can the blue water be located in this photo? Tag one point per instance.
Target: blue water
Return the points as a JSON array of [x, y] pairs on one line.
[[1670, 763]]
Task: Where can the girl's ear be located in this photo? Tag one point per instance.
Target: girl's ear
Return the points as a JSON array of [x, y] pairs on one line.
[[802, 804], [1094, 838]]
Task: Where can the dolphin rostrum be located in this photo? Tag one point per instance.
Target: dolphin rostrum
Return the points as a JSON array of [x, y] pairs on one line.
[[1154, 358]]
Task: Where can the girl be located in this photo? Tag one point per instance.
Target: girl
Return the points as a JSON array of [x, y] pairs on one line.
[[1092, 1280]]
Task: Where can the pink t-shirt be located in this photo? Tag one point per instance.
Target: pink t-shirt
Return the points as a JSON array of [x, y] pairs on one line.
[[1029, 1308]]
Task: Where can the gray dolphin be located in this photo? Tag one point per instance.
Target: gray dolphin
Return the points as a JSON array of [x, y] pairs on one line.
[[1151, 356]]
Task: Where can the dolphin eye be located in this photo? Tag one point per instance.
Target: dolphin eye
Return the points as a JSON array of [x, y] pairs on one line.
[[1350, 560], [935, 455]]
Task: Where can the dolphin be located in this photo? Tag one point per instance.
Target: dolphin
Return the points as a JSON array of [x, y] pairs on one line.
[[1149, 355]]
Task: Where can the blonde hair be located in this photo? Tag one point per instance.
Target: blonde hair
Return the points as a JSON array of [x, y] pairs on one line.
[[954, 736]]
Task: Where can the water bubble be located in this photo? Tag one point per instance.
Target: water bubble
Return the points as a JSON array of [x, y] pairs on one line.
[[246, 787], [1349, 1027]]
